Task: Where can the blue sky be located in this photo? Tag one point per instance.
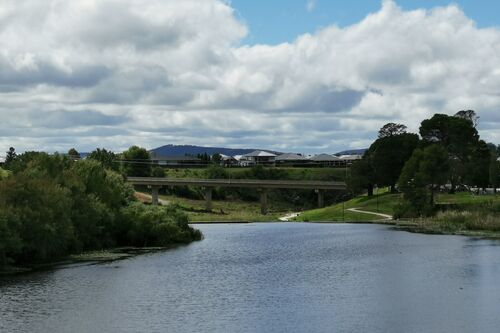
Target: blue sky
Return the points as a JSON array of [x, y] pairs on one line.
[[277, 21]]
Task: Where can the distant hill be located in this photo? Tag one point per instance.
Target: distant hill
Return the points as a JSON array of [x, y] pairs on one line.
[[352, 152], [174, 150]]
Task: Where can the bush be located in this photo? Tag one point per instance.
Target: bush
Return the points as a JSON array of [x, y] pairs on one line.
[[52, 206], [155, 226]]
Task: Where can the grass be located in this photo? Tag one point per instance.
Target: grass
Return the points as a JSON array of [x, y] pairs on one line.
[[384, 204], [471, 223], [3, 173], [226, 210]]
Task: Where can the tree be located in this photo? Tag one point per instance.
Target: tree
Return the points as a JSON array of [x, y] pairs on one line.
[[73, 153], [158, 171], [469, 115], [362, 176], [494, 172], [478, 168], [391, 129], [136, 162], [389, 153], [216, 158], [459, 137], [425, 171], [107, 158], [10, 157]]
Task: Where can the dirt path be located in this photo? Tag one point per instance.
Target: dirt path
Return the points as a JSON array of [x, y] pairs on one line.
[[384, 216], [143, 197], [288, 217]]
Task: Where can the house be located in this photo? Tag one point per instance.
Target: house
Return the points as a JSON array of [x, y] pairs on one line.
[[326, 160], [228, 161], [291, 159], [258, 157]]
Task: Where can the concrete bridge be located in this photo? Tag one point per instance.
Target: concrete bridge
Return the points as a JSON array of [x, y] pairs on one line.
[[263, 187]]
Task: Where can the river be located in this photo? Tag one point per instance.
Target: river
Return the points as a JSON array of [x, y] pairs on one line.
[[271, 277]]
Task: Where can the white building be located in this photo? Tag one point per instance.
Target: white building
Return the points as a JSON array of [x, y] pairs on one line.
[[257, 157]]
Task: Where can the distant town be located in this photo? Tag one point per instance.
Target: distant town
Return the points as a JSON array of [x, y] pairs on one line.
[[197, 156]]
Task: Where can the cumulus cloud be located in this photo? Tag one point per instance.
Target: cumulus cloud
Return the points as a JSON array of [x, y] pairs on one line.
[[114, 73]]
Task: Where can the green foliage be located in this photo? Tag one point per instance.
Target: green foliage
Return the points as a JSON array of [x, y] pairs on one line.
[[384, 160], [158, 171], [107, 158], [52, 206], [391, 129], [156, 226], [73, 153], [216, 158], [136, 162], [216, 172], [362, 176], [10, 156], [424, 172], [41, 209], [494, 171], [458, 135], [389, 155], [478, 167], [4, 173]]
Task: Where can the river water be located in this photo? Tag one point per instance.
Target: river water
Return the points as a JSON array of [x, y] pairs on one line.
[[272, 277]]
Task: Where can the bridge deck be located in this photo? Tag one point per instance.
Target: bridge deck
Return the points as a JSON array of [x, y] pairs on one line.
[[249, 183]]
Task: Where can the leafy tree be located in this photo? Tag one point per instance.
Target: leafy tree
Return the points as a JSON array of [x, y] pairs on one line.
[[107, 158], [362, 176], [389, 153], [391, 129], [73, 153], [216, 158], [425, 171], [478, 168], [10, 157], [469, 115], [52, 206], [459, 137], [136, 162], [158, 171], [494, 172]]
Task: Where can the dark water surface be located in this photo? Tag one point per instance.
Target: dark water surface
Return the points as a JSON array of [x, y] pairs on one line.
[[281, 277]]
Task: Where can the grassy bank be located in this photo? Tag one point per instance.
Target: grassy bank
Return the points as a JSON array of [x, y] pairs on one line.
[[463, 214], [473, 223], [383, 203], [226, 210]]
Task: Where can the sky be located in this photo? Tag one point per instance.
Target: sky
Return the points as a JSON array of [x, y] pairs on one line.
[[304, 76]]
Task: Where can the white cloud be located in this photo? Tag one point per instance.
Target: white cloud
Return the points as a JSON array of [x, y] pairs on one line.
[[167, 71]]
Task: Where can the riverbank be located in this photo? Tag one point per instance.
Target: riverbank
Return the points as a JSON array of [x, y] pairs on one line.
[[86, 258], [463, 214]]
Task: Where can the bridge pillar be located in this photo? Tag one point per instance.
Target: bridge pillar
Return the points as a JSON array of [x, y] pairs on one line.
[[321, 198], [263, 201], [208, 198], [154, 195]]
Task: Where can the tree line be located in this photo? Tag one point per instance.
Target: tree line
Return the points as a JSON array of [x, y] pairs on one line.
[[54, 205], [448, 155]]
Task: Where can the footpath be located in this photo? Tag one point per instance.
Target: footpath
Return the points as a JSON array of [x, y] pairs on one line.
[[385, 217]]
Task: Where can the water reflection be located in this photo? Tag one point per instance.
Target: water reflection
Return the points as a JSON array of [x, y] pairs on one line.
[[272, 278]]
